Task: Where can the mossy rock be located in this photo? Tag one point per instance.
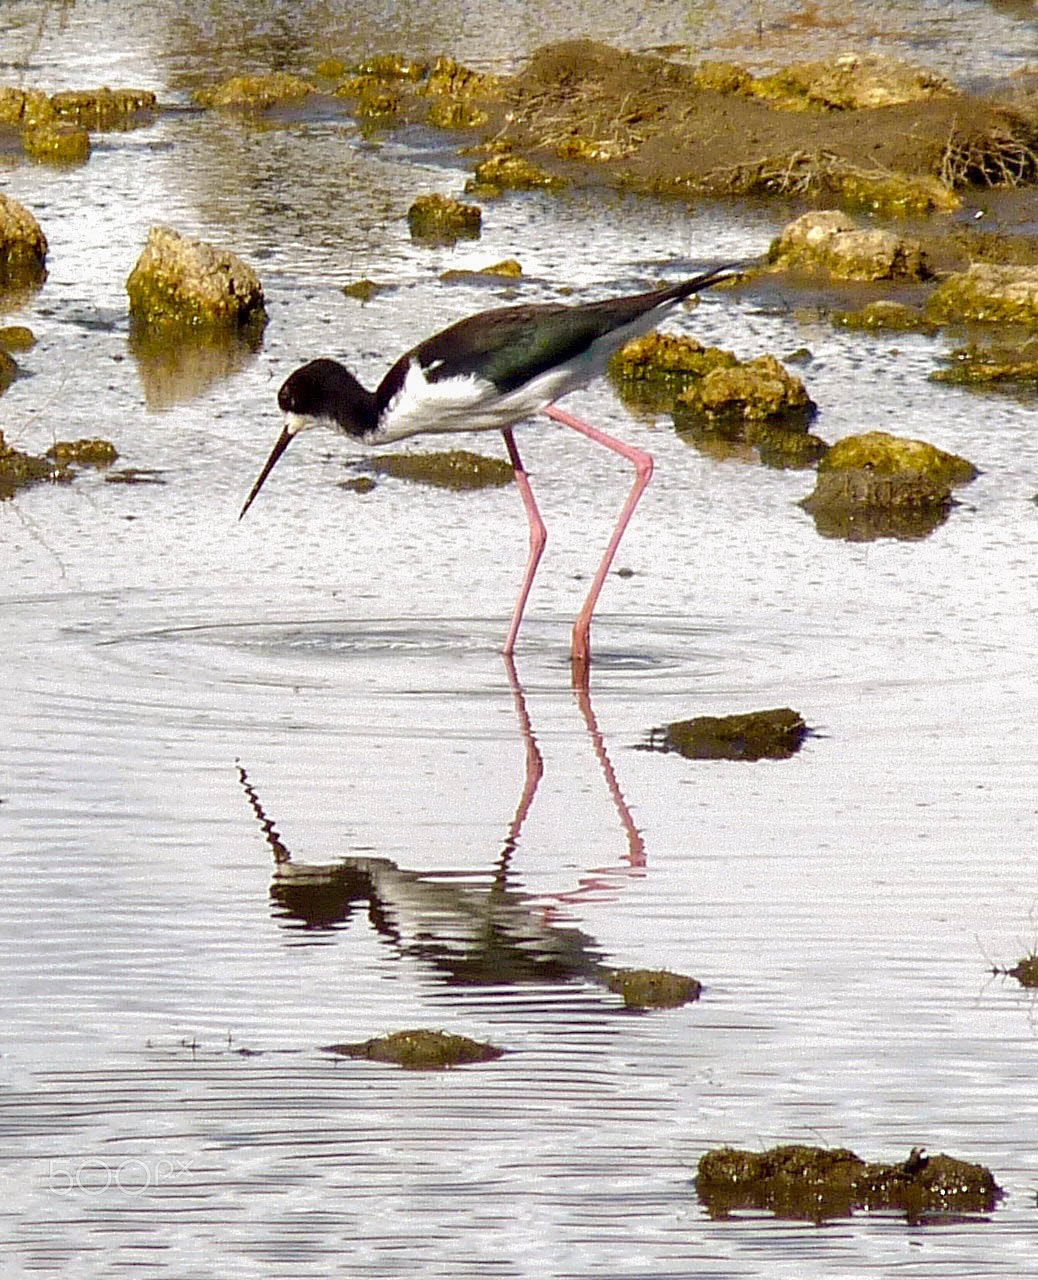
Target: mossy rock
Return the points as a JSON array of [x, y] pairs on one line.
[[508, 269], [830, 241], [362, 290], [758, 390], [103, 108], [989, 368], [255, 92], [438, 219], [756, 735], [818, 1183], [23, 246], [8, 370], [515, 173], [358, 484], [24, 107], [887, 316], [989, 293], [17, 337], [887, 455], [57, 142], [455, 469], [653, 988], [83, 453], [667, 357], [181, 282], [20, 470], [419, 1050]]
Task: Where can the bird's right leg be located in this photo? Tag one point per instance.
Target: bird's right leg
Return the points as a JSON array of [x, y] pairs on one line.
[[538, 536]]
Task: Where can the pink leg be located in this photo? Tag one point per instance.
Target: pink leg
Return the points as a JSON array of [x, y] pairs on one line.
[[538, 537], [581, 651]]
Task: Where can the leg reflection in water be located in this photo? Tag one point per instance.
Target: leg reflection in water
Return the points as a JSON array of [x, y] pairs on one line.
[[470, 929]]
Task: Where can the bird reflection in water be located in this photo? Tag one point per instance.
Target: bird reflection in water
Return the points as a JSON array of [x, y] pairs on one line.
[[471, 930]]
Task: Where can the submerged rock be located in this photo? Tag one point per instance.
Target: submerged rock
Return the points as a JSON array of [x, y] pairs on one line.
[[755, 735], [103, 108], [887, 315], [419, 1050], [19, 470], [818, 1183], [456, 469], [255, 92], [57, 142], [989, 293], [881, 486], [829, 240], [83, 453], [653, 988], [181, 282], [438, 219], [990, 367]]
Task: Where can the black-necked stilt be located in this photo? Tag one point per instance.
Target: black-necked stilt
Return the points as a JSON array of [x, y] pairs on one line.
[[484, 373]]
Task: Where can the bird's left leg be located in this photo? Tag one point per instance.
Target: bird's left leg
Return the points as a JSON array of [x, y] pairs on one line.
[[643, 474], [538, 537]]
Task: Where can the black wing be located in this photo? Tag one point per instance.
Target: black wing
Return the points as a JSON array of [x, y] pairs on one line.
[[511, 345]]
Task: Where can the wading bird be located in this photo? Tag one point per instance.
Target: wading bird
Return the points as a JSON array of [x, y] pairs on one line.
[[486, 373]]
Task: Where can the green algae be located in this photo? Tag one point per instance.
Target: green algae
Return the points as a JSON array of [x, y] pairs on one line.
[[17, 337], [419, 1050], [103, 108], [818, 1183], [776, 734], [886, 315], [362, 290], [653, 988], [515, 173], [20, 470], [253, 93], [438, 219], [991, 368], [507, 269], [888, 455], [456, 469], [57, 142], [83, 453]]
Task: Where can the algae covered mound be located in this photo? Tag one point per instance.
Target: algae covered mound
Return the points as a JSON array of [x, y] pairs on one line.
[[987, 293], [419, 1050], [181, 282], [653, 988], [877, 485], [816, 1183], [438, 219], [456, 469], [23, 246], [755, 735]]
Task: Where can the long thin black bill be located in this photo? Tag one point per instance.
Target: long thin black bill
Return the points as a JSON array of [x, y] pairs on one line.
[[279, 448]]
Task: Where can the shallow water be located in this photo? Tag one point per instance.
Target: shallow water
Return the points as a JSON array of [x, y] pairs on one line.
[[198, 710]]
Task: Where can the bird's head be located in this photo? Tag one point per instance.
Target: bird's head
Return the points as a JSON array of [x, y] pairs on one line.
[[322, 393]]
